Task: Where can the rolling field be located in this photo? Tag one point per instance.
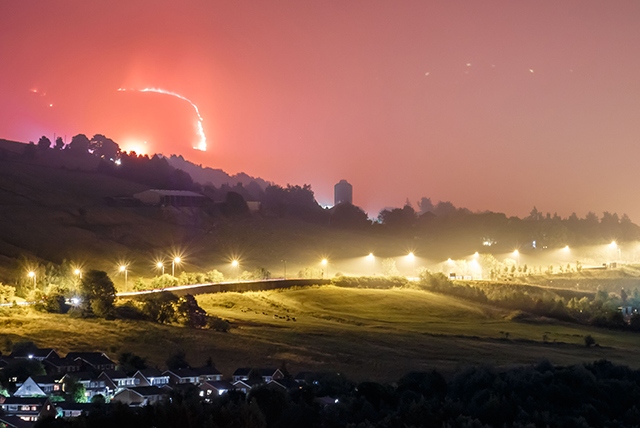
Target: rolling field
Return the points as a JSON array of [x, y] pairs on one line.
[[364, 333]]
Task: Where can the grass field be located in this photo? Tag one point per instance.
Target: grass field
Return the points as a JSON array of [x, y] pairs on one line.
[[366, 334]]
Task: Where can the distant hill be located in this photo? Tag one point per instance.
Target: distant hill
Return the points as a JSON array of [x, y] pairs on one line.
[[216, 177]]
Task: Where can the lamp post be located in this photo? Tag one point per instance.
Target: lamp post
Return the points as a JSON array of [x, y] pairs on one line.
[[235, 264], [325, 264], [160, 265], [372, 259], [123, 268], [412, 261], [174, 262], [615, 246], [78, 272], [32, 274]]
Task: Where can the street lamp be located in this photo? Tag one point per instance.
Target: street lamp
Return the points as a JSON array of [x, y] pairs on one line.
[[235, 264], [614, 245], [78, 272], [160, 265], [123, 268], [412, 260], [175, 262], [325, 263], [516, 254], [32, 274]]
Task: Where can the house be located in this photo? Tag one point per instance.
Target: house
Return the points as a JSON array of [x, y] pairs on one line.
[[242, 386], [14, 422], [151, 377], [267, 375], [180, 376], [93, 386], [195, 376], [140, 395], [61, 365], [38, 386], [35, 353], [28, 408], [175, 198], [207, 373], [214, 388], [117, 379], [92, 360], [284, 384], [29, 388], [5, 361], [72, 410]]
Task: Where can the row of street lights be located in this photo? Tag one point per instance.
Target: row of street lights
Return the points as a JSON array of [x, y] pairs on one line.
[[235, 263]]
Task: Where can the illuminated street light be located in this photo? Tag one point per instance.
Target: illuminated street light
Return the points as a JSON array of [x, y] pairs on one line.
[[614, 246], [325, 263], [32, 274], [174, 262], [412, 259], [160, 265], [78, 272], [476, 255], [371, 257], [236, 264], [123, 268], [516, 254]]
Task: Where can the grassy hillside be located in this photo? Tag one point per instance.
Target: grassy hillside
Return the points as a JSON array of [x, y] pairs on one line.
[[367, 334]]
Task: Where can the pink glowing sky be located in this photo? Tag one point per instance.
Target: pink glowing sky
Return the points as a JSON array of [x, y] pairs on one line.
[[492, 105]]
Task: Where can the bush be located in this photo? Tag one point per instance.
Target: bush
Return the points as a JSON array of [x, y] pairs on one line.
[[159, 307], [214, 276], [7, 293], [589, 341], [129, 311], [218, 324], [370, 282], [164, 281]]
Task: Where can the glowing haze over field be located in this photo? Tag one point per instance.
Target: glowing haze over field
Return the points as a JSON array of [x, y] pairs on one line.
[[492, 105]]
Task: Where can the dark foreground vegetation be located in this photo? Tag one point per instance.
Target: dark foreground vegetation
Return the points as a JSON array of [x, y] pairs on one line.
[[599, 394]]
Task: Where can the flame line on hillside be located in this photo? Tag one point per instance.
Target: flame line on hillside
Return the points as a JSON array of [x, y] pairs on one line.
[[202, 145]]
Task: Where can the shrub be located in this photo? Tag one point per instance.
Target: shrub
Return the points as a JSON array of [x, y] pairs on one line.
[[589, 341], [7, 293], [164, 281], [218, 324]]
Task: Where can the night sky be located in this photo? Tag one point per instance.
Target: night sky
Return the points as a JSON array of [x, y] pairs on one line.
[[492, 105]]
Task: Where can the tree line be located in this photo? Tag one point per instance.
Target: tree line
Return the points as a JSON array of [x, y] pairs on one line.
[[541, 395]]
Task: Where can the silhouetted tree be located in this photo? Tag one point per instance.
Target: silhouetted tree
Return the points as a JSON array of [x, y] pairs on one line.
[[177, 360], [44, 143], [104, 147], [235, 205], [79, 144], [346, 215], [97, 293]]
